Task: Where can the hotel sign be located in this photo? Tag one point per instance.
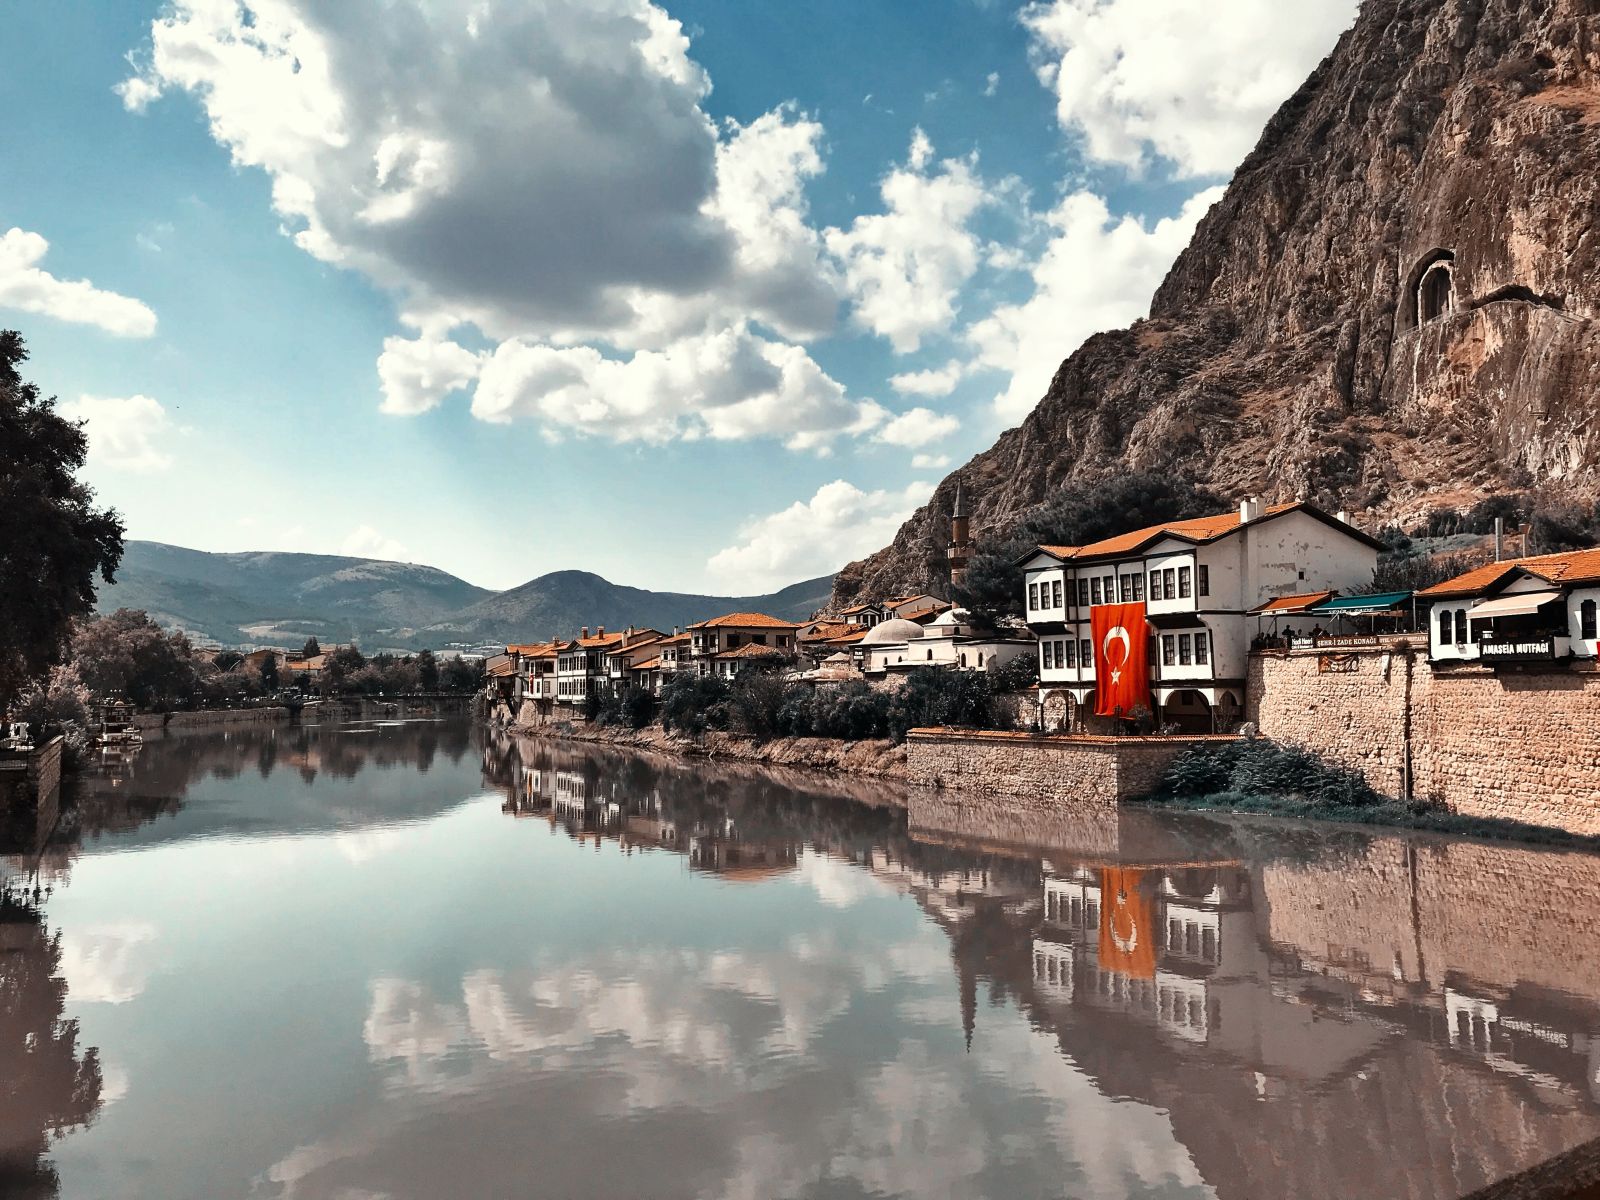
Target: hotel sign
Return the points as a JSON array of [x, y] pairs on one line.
[[1525, 650], [1327, 642]]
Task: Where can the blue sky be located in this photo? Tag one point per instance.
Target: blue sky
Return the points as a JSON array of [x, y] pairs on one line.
[[704, 296]]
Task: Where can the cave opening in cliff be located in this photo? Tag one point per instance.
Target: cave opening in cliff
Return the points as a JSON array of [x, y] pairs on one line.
[[1430, 290]]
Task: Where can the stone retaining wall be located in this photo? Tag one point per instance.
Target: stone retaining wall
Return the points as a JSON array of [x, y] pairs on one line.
[[1517, 743], [149, 723], [1030, 773]]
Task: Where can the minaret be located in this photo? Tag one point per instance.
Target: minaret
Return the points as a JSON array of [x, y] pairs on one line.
[[960, 536]]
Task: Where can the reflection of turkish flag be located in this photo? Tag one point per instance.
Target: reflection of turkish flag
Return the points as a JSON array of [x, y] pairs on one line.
[[1121, 673], [1127, 927]]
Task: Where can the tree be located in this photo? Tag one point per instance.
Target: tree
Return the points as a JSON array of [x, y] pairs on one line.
[[310, 648], [427, 671], [1074, 516], [53, 702], [269, 673], [53, 540], [128, 654]]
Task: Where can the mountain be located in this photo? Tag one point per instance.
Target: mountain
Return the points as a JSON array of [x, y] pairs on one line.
[[1392, 309], [562, 602], [271, 598]]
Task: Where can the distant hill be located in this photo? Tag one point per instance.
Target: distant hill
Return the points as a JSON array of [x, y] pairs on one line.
[[561, 602], [272, 598]]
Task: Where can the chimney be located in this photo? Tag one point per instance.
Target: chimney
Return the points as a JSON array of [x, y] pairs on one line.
[[1499, 538], [1249, 509], [600, 631], [583, 633]]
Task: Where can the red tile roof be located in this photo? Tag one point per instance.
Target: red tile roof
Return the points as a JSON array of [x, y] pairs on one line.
[[751, 650], [1195, 529], [652, 664], [535, 649], [745, 620], [826, 630], [1567, 567], [857, 608], [1292, 603]]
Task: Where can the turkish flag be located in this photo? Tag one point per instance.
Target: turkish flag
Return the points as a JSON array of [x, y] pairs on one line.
[[1127, 924], [1121, 671]]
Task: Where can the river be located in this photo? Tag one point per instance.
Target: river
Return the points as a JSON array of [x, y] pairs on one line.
[[413, 960]]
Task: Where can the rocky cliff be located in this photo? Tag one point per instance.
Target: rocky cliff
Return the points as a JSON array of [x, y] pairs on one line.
[[1393, 308]]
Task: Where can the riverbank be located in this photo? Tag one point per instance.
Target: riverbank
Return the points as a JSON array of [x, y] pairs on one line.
[[874, 759]]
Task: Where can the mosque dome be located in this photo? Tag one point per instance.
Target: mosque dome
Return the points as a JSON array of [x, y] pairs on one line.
[[891, 632]]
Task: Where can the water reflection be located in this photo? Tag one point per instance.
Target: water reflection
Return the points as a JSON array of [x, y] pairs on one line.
[[48, 1083], [614, 975], [1319, 1013]]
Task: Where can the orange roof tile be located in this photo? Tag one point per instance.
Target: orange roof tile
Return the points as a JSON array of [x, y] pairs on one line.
[[826, 630], [1567, 567], [1060, 551], [849, 637], [648, 665], [745, 620], [856, 608], [677, 639], [751, 650], [1286, 603], [534, 649], [1198, 529]]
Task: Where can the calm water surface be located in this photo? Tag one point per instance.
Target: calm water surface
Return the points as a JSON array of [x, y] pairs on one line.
[[401, 960]]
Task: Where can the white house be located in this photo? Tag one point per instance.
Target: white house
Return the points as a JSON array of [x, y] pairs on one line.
[[712, 643], [1198, 581], [948, 642], [1519, 610]]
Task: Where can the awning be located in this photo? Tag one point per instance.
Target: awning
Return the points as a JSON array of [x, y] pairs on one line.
[[1177, 620], [1362, 606], [1512, 606]]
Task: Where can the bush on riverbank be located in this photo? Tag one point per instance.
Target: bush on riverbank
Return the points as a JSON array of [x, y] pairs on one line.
[[763, 705], [1258, 775]]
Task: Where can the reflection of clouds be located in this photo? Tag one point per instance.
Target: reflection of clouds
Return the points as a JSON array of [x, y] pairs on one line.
[[358, 846], [113, 1084], [106, 962], [733, 1051], [838, 882]]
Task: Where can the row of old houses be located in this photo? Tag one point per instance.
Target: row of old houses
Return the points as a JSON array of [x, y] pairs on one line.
[[876, 642]]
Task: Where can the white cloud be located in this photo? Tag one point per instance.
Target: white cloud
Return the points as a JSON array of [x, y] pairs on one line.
[[918, 427], [728, 385], [929, 462], [1124, 259], [1189, 81], [366, 542], [125, 434], [26, 286], [936, 381], [991, 83], [417, 374], [903, 268], [812, 537], [543, 172]]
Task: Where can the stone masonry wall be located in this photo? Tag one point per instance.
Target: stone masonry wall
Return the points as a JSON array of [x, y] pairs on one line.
[[1040, 774], [1521, 744], [1353, 714]]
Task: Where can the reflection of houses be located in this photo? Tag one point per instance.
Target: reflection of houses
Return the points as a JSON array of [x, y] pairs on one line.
[[1519, 610], [1197, 581], [731, 858]]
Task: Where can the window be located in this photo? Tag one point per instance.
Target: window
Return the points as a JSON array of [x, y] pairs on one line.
[[1586, 620], [1111, 589], [1205, 580], [1138, 585], [1185, 649], [1085, 653], [1055, 589], [1094, 590], [1169, 587], [1150, 651], [1461, 625], [1184, 588], [1155, 585], [1169, 650], [1201, 641], [1071, 659], [1444, 627], [980, 660], [1061, 654], [1033, 597], [1044, 657], [1083, 593], [783, 639], [1126, 583], [930, 653]]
